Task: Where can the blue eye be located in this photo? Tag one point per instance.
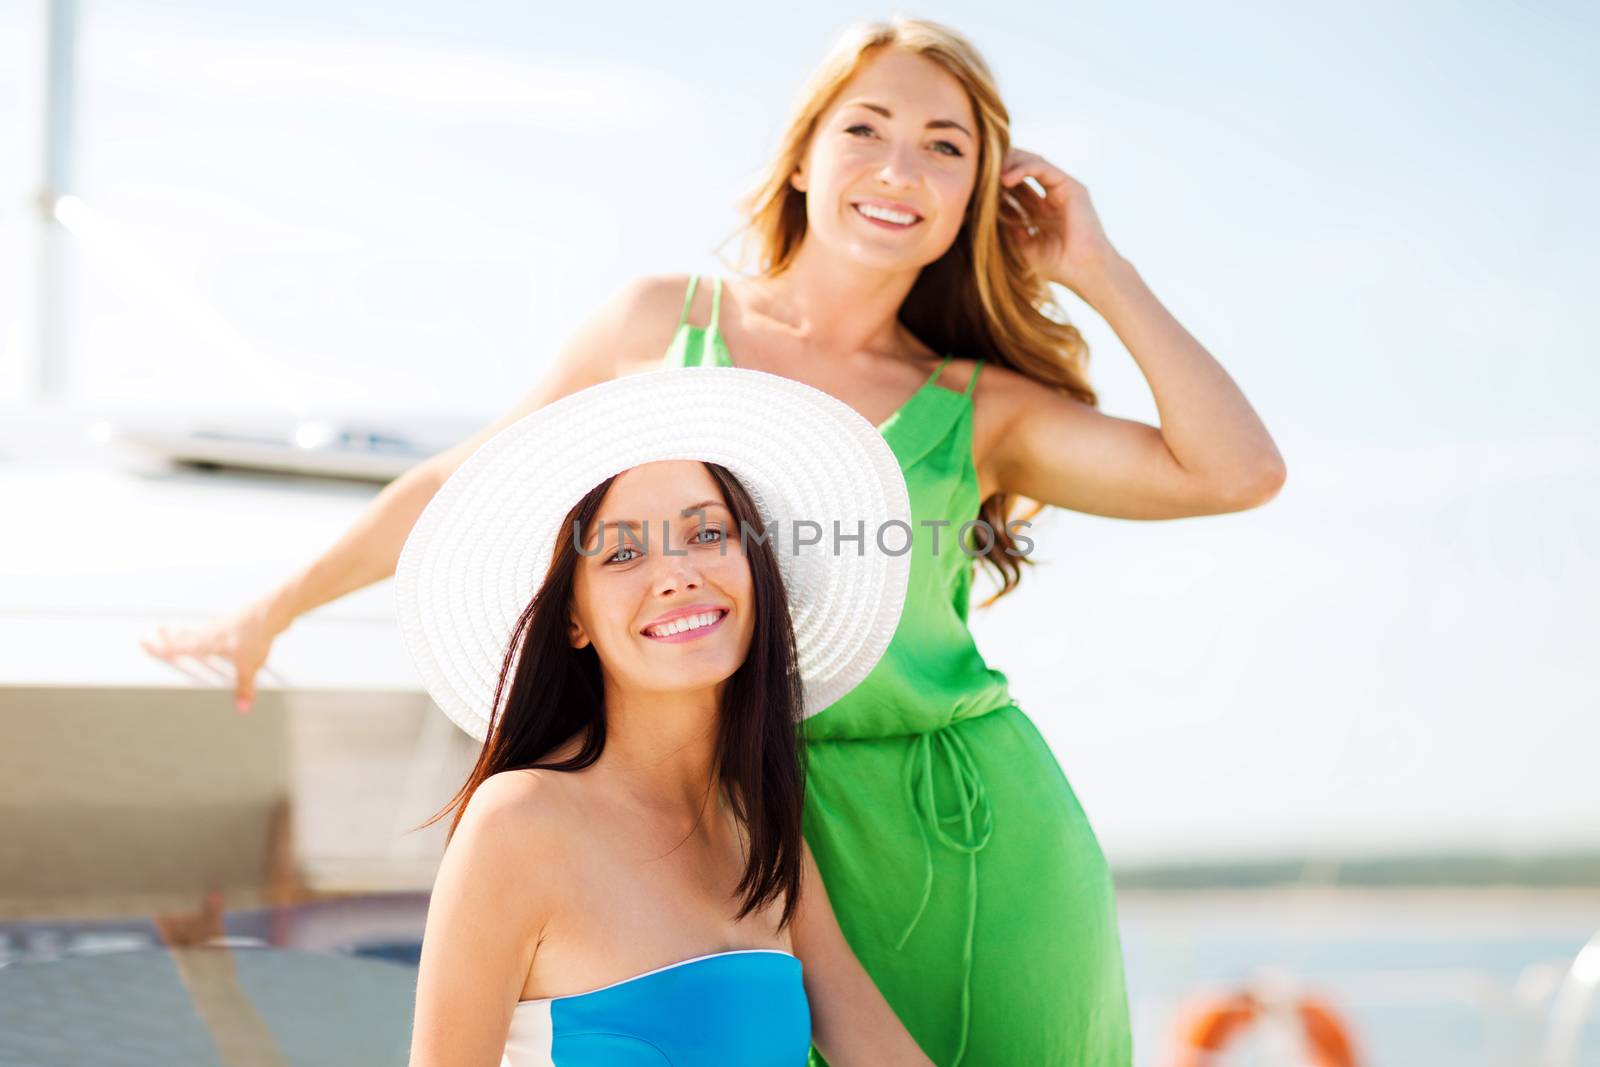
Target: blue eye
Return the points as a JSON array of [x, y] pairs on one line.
[[616, 557], [944, 148]]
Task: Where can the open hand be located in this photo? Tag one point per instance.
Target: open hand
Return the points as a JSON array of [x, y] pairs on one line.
[[1059, 232]]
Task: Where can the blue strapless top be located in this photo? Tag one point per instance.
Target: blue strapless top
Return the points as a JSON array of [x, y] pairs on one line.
[[745, 1007]]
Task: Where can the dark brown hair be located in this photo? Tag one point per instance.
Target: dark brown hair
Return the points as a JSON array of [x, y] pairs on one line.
[[555, 693]]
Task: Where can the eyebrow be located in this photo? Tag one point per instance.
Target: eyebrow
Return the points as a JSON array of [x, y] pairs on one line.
[[685, 513], [933, 124]]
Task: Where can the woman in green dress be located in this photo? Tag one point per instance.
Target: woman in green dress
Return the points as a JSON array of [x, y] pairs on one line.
[[892, 230], [902, 262]]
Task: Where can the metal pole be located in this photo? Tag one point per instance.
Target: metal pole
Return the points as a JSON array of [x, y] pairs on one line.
[[55, 181]]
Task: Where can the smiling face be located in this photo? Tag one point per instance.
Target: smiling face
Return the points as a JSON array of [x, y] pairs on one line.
[[892, 163], [667, 603]]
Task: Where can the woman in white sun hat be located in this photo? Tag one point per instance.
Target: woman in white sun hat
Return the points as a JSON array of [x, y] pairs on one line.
[[633, 610]]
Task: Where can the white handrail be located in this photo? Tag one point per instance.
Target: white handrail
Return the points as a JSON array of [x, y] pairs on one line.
[[1571, 1007]]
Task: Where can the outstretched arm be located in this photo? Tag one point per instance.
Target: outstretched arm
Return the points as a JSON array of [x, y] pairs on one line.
[[633, 324]]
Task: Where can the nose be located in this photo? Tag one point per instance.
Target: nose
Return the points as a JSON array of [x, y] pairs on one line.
[[899, 170], [675, 574]]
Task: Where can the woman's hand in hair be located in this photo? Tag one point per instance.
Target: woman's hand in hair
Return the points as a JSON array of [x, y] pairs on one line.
[[1059, 232]]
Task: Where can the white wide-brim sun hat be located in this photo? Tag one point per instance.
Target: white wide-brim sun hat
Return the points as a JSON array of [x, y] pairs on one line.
[[483, 545]]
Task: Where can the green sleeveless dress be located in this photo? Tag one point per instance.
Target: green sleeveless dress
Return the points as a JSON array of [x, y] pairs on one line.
[[964, 873]]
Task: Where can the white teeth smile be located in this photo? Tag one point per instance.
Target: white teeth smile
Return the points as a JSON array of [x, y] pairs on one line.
[[883, 214], [688, 622]]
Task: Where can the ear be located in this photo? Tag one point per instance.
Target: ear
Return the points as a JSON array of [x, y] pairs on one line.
[[576, 634], [798, 180]]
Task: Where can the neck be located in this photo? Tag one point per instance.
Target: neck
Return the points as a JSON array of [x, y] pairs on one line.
[[838, 305], [662, 747]]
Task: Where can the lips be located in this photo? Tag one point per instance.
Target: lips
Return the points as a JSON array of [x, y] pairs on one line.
[[888, 213], [684, 635], [679, 613]]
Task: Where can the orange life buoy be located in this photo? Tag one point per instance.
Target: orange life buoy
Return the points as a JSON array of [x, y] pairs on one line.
[[1207, 1025]]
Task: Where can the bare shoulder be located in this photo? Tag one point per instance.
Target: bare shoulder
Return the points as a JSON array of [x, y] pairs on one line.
[[996, 395], [1007, 393], [525, 793], [646, 312], [996, 382], [1001, 383], [524, 813], [1000, 401], [502, 883]]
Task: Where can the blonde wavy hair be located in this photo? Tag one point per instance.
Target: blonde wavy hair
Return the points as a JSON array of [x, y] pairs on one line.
[[981, 298]]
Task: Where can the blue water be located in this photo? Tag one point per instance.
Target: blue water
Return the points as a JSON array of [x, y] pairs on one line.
[[1464, 979], [1460, 979]]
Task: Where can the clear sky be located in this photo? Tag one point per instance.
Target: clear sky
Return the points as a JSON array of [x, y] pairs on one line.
[[1380, 218]]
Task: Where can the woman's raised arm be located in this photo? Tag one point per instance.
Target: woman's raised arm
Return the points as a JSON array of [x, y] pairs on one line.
[[634, 322]]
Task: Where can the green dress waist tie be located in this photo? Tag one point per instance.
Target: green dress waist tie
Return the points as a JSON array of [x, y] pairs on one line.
[[927, 772]]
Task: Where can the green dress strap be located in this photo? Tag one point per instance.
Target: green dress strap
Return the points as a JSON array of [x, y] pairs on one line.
[[688, 300], [716, 303], [695, 346]]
